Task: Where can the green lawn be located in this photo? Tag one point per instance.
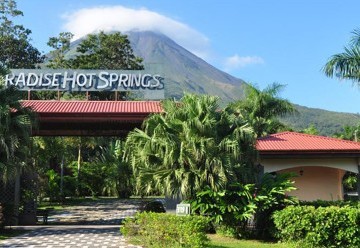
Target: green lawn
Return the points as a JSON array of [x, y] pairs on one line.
[[217, 241], [224, 242]]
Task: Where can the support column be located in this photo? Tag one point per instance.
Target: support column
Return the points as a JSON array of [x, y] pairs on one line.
[[358, 180]]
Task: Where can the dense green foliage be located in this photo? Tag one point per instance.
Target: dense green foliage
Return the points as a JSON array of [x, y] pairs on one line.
[[231, 209], [322, 203], [228, 206], [167, 230], [190, 146], [16, 50], [106, 51], [15, 121], [261, 109], [319, 227], [119, 175], [90, 167], [61, 45], [15, 129]]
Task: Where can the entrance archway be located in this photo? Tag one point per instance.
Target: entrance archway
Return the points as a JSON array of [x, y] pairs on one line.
[[90, 118]]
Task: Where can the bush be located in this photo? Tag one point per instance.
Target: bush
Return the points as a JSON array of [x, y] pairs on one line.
[[165, 230], [322, 203], [245, 210], [319, 227]]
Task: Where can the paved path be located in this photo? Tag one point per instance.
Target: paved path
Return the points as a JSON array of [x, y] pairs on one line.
[[100, 212], [68, 236]]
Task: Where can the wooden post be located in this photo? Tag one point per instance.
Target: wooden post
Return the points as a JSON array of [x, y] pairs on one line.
[[29, 95], [116, 95]]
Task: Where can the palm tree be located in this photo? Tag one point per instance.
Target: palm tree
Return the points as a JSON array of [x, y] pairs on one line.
[[15, 129], [190, 146], [262, 108], [346, 65], [119, 173]]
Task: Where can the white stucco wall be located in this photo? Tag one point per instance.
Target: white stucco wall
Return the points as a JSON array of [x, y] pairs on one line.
[[321, 179], [347, 164], [317, 183]]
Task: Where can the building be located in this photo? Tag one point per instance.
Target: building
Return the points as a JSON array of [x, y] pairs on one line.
[[319, 162]]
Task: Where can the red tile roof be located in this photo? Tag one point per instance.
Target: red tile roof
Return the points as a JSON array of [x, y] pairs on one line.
[[42, 106], [292, 141]]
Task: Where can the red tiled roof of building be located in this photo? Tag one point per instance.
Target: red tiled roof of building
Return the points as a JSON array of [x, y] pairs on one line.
[[42, 106], [292, 141]]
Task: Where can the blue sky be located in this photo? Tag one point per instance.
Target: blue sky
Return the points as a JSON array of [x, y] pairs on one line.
[[261, 42]]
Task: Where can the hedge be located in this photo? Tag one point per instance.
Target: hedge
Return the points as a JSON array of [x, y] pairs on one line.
[[322, 203], [319, 227], [167, 230]]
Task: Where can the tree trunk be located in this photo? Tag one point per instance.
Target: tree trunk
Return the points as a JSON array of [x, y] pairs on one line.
[[16, 196], [78, 168]]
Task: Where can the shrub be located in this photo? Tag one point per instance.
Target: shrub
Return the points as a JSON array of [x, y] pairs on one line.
[[323, 203], [165, 230], [319, 227], [245, 210]]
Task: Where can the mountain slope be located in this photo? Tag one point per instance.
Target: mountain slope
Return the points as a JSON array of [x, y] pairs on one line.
[[183, 71], [327, 122]]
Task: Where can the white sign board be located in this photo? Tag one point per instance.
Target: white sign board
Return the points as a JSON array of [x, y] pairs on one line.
[[182, 209], [86, 80]]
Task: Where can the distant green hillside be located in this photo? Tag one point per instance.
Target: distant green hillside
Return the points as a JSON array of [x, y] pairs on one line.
[[327, 122]]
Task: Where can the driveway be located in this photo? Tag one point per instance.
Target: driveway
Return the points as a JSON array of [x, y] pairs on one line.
[[68, 236]]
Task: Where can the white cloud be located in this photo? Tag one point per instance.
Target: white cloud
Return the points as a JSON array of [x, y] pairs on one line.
[[236, 62], [119, 18]]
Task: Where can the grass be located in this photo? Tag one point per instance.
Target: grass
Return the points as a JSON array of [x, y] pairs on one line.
[[8, 233], [217, 241]]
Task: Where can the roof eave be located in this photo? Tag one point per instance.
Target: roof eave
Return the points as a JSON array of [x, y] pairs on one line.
[[308, 153]]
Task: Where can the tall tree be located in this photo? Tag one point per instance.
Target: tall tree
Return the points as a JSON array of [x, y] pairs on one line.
[[311, 129], [106, 51], [15, 129], [346, 65], [190, 146], [110, 51], [261, 108], [61, 46], [16, 50], [349, 133]]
